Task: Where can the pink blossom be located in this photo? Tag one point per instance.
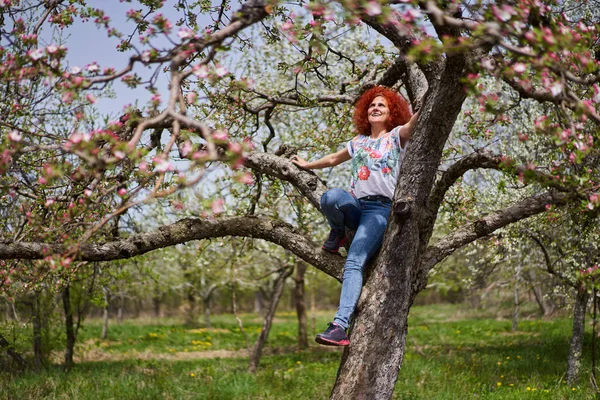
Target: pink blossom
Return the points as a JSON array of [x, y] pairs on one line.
[[373, 8], [122, 192], [217, 206], [186, 148], [14, 136], [185, 33], [220, 135], [221, 71], [556, 89], [49, 202], [76, 70], [90, 98], [287, 26], [92, 67], [519, 68], [87, 192], [51, 49], [201, 71], [35, 54], [235, 147], [246, 178], [162, 165], [145, 57], [191, 97]]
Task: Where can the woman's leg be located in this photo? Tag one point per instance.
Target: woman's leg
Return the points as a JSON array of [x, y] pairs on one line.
[[341, 209], [366, 242]]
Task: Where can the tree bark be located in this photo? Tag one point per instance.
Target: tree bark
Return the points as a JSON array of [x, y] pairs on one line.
[[206, 302], [546, 307], [191, 316], [105, 314], [70, 332], [300, 300], [120, 309], [38, 355], [576, 345], [515, 319], [266, 327]]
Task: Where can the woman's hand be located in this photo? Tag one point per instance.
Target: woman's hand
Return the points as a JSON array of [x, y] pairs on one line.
[[299, 161]]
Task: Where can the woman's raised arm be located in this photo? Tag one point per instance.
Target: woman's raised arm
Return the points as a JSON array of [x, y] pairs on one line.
[[330, 160]]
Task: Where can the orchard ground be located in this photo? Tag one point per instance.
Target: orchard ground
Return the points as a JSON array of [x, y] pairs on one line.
[[453, 353]]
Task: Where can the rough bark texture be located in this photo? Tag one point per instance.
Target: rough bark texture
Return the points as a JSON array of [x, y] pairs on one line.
[[38, 356], [300, 303], [69, 330], [266, 327], [105, 313], [576, 345], [186, 230]]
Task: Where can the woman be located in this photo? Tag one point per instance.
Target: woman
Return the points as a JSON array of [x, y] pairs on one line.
[[384, 124]]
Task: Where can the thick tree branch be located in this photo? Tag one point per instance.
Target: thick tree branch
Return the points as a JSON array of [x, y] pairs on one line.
[[550, 264], [485, 159], [488, 224], [183, 231], [309, 184]]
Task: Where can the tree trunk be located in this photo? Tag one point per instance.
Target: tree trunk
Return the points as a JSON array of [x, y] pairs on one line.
[[515, 319], [105, 313], [576, 345], [70, 345], [546, 307], [259, 303], [38, 356], [206, 302], [17, 358], [156, 304], [266, 327], [191, 317], [120, 309], [299, 297]]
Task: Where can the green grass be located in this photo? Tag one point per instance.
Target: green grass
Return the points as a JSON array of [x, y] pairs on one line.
[[450, 355]]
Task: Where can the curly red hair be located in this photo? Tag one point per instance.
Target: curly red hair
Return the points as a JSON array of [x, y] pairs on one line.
[[399, 111]]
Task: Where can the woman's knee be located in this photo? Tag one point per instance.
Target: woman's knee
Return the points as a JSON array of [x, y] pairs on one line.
[[332, 197]]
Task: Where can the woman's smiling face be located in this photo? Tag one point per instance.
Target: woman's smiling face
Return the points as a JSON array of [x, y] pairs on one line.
[[378, 111]]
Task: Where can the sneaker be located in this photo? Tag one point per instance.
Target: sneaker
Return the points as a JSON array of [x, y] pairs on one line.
[[334, 335], [337, 238]]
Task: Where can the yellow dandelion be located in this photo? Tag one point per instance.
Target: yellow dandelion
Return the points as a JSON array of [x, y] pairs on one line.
[[518, 357], [501, 376], [511, 384], [192, 374], [298, 362], [508, 358], [528, 388], [498, 384], [573, 389], [499, 363]]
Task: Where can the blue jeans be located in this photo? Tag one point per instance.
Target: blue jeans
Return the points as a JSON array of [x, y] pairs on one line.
[[369, 219]]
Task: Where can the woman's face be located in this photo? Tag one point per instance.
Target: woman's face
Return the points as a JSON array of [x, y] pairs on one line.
[[378, 111]]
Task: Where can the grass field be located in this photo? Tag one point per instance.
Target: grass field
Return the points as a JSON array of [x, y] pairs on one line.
[[451, 355]]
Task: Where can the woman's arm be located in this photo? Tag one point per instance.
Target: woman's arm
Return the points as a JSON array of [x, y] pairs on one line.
[[330, 160], [407, 129]]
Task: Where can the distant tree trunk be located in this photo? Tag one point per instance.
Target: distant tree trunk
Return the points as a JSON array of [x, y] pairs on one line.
[[206, 301], [259, 302], [156, 302], [120, 309], [546, 307], [38, 356], [266, 327], [17, 358], [105, 313], [70, 345], [313, 312], [576, 346], [299, 297], [191, 317], [515, 319]]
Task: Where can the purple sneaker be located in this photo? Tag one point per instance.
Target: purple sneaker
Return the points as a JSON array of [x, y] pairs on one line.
[[334, 335], [337, 238]]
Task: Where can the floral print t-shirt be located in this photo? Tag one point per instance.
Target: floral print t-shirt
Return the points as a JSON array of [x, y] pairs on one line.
[[375, 164]]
